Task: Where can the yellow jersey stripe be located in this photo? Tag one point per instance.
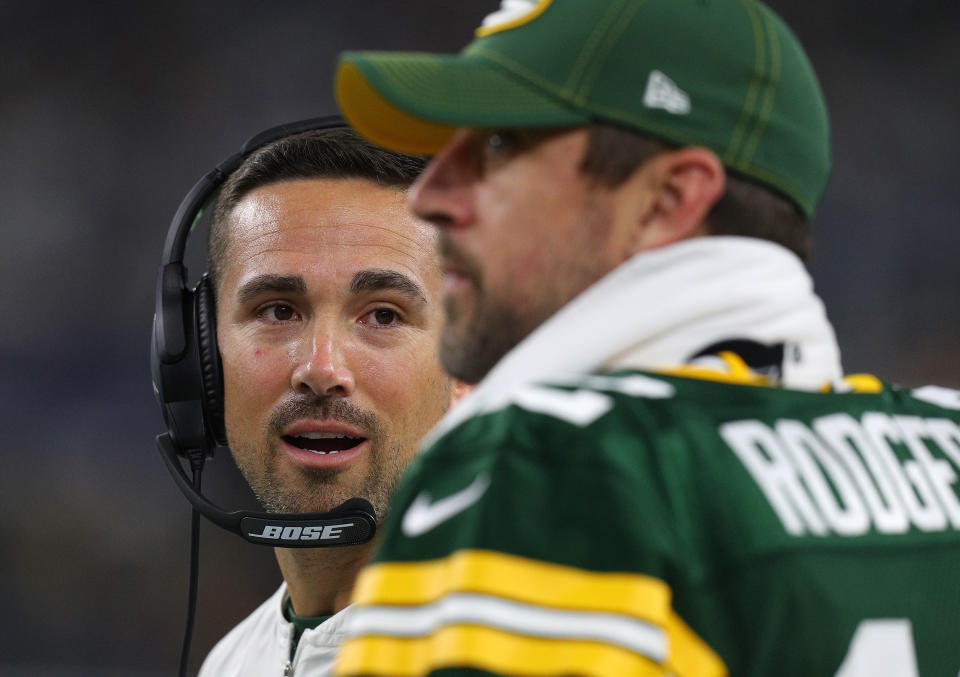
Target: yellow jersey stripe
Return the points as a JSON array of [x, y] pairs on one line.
[[427, 615], [488, 649], [689, 655], [641, 637], [525, 580]]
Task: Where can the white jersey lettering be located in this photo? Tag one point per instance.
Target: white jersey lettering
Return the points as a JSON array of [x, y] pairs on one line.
[[826, 479], [840, 475], [761, 451]]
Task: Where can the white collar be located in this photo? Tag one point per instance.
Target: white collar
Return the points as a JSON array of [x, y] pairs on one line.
[[330, 632], [662, 306]]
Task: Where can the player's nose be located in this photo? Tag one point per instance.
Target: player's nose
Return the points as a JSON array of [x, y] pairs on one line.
[[322, 366], [442, 194]]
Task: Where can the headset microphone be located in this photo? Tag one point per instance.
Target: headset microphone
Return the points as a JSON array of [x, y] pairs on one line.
[[351, 523]]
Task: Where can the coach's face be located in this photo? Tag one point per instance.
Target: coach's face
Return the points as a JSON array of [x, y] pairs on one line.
[[328, 323], [523, 231]]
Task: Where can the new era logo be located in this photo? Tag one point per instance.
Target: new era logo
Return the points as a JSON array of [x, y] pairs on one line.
[[662, 92]]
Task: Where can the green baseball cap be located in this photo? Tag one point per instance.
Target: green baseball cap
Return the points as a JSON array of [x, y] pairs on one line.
[[728, 75]]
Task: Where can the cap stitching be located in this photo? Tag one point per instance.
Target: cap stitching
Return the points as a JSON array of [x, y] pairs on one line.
[[762, 76], [621, 24], [776, 66], [733, 147], [595, 37], [523, 72]]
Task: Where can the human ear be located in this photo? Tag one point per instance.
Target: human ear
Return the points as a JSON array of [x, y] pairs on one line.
[[677, 189]]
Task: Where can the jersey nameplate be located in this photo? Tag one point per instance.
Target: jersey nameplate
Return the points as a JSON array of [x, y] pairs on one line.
[[841, 475]]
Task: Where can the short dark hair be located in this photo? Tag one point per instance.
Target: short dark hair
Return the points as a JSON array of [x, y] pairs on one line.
[[333, 153], [746, 207]]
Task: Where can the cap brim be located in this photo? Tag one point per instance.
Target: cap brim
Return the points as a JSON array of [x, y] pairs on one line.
[[413, 103]]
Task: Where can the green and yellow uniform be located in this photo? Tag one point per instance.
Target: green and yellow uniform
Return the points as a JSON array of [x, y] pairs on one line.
[[643, 524]]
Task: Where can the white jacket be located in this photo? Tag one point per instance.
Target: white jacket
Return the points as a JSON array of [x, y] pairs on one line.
[[260, 645]]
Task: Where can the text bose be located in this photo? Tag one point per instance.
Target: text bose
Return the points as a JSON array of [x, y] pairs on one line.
[[280, 533]]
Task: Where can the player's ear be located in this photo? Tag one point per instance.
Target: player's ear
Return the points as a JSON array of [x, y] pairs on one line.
[[673, 193]]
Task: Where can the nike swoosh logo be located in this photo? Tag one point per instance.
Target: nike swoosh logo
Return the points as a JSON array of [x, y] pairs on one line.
[[422, 515]]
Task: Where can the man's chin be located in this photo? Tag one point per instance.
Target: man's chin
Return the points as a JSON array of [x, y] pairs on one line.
[[288, 504], [465, 353]]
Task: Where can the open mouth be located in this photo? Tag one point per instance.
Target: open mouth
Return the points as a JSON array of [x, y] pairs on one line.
[[323, 443]]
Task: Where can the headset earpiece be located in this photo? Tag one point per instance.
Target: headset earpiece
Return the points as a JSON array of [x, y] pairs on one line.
[[211, 370], [174, 364]]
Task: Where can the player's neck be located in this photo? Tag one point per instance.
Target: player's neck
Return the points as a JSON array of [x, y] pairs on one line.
[[320, 581]]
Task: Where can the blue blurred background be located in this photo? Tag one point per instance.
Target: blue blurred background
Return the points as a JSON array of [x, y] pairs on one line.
[[110, 111]]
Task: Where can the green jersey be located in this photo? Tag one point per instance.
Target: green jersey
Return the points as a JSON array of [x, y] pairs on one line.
[[642, 524]]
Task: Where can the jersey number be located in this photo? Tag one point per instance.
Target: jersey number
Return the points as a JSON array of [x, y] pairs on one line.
[[881, 646]]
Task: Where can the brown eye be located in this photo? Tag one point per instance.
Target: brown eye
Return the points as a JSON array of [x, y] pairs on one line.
[[384, 316], [280, 313], [283, 312]]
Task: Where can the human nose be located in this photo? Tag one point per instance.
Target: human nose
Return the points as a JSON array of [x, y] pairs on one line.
[[441, 195], [322, 366]]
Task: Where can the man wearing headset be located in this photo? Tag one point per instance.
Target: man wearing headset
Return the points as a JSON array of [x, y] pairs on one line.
[[328, 317], [663, 470]]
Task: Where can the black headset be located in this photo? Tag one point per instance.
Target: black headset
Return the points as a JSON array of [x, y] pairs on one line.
[[188, 378]]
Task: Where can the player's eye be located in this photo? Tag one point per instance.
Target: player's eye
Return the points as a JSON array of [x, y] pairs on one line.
[[497, 142], [278, 312], [500, 143], [384, 317], [498, 146]]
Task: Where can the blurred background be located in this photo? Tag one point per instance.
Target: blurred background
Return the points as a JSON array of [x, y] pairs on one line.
[[110, 111]]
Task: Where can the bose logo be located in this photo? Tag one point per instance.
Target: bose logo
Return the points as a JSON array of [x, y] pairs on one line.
[[278, 533]]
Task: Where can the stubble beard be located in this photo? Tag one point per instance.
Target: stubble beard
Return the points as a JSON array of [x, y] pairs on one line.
[[474, 340], [472, 343], [280, 488], [317, 490]]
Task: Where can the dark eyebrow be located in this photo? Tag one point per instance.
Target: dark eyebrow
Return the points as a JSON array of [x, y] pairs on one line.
[[271, 284], [377, 280]]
